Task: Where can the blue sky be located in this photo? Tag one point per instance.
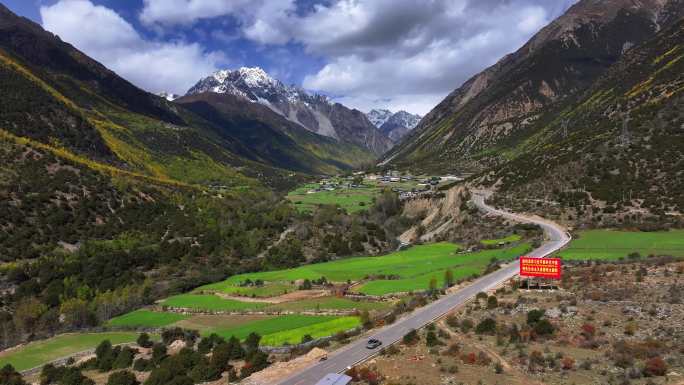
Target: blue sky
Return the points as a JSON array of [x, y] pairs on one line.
[[397, 54]]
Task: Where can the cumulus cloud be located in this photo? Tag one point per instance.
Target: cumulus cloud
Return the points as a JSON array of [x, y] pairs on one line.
[[171, 12], [104, 35]]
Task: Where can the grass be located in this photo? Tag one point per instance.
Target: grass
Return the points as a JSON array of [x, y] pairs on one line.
[[210, 302], [146, 318], [350, 199], [269, 289], [41, 352], [287, 328], [494, 242], [611, 245], [462, 266], [330, 303], [318, 330], [414, 266]]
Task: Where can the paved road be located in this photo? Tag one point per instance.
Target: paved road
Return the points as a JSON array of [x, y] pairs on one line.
[[357, 352]]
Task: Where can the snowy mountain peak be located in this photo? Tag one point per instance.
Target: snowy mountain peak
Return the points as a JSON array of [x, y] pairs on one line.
[[395, 125], [379, 116], [168, 96]]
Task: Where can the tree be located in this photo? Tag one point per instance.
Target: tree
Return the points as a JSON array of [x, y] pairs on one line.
[[9, 376], [431, 339], [366, 320], [411, 337], [103, 350], [534, 315], [252, 342], [123, 377], [27, 314], [124, 359], [486, 326], [492, 302], [448, 278], [158, 353], [433, 284], [544, 327], [144, 341]]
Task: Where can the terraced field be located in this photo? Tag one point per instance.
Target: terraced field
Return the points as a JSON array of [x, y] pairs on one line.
[[210, 302], [146, 318], [40, 352], [611, 245], [412, 268], [350, 199]]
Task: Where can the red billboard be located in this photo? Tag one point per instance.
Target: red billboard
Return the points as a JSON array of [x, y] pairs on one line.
[[540, 267]]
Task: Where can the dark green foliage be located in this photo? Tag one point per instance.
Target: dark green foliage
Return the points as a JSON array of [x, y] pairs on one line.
[[9, 376], [144, 341], [185, 335], [486, 326], [411, 337], [534, 315], [63, 375], [143, 365], [124, 359], [123, 377], [544, 327], [158, 353], [255, 361]]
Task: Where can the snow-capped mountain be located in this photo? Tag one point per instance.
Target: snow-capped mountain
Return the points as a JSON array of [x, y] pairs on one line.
[[313, 111], [394, 125], [168, 96], [379, 117]]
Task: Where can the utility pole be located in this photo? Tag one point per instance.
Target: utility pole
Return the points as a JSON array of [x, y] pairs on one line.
[[624, 134]]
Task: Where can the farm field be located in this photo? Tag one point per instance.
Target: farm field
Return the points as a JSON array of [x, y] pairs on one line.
[[612, 245], [508, 239], [146, 318], [462, 266], [330, 303], [414, 267], [210, 302], [350, 199], [287, 328], [269, 289], [40, 352]]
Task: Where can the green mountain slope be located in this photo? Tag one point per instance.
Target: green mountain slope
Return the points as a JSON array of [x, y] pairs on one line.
[[481, 123], [58, 96], [613, 154]]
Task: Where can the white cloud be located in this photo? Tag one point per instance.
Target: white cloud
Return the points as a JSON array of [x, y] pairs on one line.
[[398, 51], [172, 12], [104, 35]]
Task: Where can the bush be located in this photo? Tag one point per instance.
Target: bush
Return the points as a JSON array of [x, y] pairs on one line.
[[498, 368], [123, 377], [9, 376], [466, 325], [533, 316], [431, 339], [124, 359], [411, 337], [144, 341], [655, 366], [486, 326], [544, 327], [492, 302], [143, 365]]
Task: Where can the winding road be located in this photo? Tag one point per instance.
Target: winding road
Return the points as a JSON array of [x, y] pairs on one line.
[[356, 352]]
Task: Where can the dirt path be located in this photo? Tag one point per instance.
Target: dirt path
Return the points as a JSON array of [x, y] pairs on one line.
[[281, 238], [490, 352]]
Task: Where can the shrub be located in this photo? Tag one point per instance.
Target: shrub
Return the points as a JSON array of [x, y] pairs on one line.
[[123, 377], [498, 368], [486, 326], [144, 340], [466, 325], [492, 302], [655, 366], [567, 363], [533, 316], [544, 328], [411, 337]]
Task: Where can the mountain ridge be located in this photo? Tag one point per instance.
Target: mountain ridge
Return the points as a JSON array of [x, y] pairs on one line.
[[314, 112]]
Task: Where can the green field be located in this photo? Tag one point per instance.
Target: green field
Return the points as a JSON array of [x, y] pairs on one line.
[[415, 267], [210, 302], [317, 330], [146, 318], [494, 242], [330, 303], [607, 244], [462, 265], [288, 328], [350, 199], [269, 289], [40, 352]]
